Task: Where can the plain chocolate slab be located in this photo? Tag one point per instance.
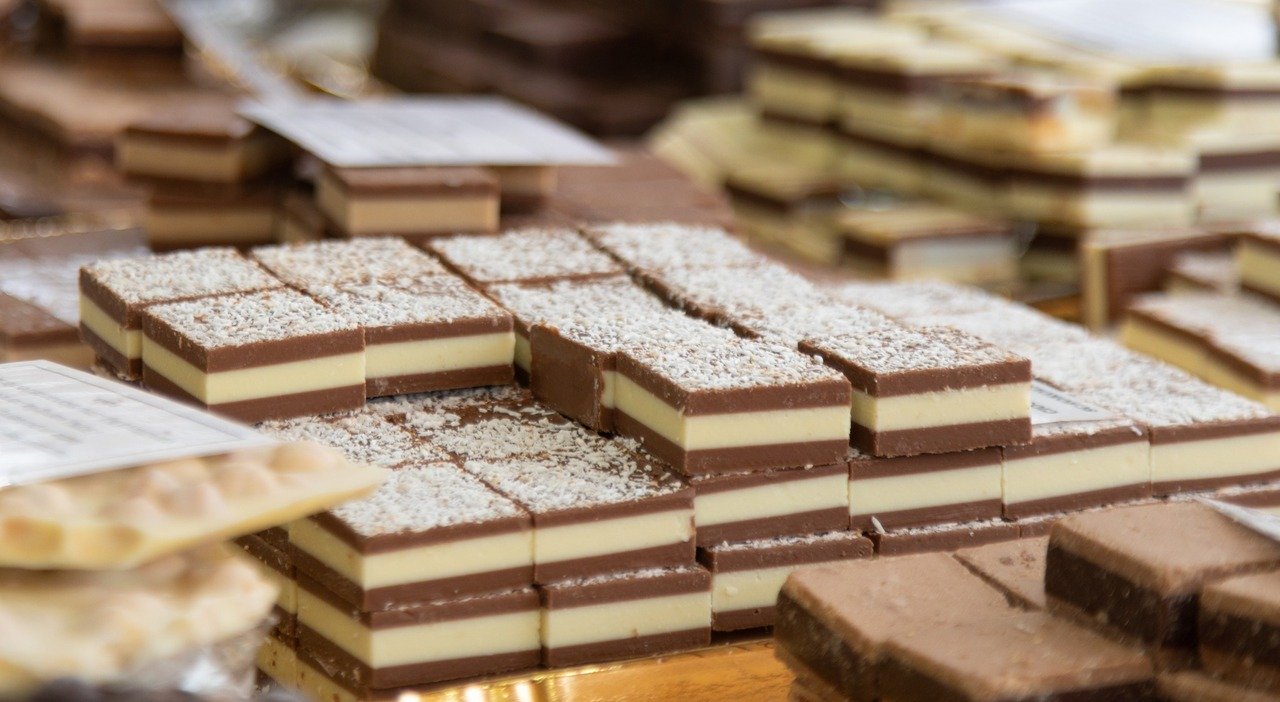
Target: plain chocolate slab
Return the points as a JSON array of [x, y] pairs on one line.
[[1015, 567]]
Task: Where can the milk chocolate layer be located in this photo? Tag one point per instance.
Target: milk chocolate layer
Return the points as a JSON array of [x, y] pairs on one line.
[[443, 380], [1247, 641], [666, 556], [833, 519], [924, 540], [255, 355], [730, 459], [807, 638], [925, 516], [956, 437], [740, 619], [1076, 502], [385, 543], [782, 554], [868, 467], [570, 593], [279, 407], [634, 647], [926, 380], [1172, 487], [1049, 445], [129, 367]]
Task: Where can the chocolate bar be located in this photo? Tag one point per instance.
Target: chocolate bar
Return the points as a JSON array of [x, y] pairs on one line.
[[942, 537], [1193, 686], [770, 503], [206, 145], [422, 643], [1076, 464], [1259, 261], [114, 294], [928, 241], [1139, 569], [28, 332], [721, 403], [1183, 330], [1026, 656], [746, 576], [413, 202], [1239, 629], [430, 532], [833, 622], [210, 214], [1026, 112], [1203, 271], [333, 263], [914, 491], [255, 356], [277, 657], [524, 256], [625, 615], [930, 390], [433, 334], [1016, 568], [1236, 176]]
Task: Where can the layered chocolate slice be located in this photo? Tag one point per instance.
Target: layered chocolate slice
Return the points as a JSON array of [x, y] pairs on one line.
[[524, 256], [928, 241], [794, 207], [255, 356], [943, 537], [914, 491], [277, 658], [417, 644], [209, 145], [746, 576], [1026, 112], [1016, 568], [833, 621], [1140, 569], [625, 615], [187, 215], [431, 532], [770, 503], [727, 404], [413, 202], [114, 294], [328, 263], [729, 296], [930, 390], [1240, 630], [1247, 363], [1024, 657], [436, 333], [1259, 261], [28, 332]]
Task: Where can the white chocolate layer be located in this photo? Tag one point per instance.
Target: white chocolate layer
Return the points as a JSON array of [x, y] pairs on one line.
[[523, 355], [613, 621], [1237, 195], [127, 342], [749, 589], [1225, 376], [278, 661], [414, 564], [1076, 472], [956, 259], [1227, 457], [420, 643], [608, 536], [872, 496], [1259, 267], [328, 372], [733, 429], [942, 408], [407, 215], [763, 501], [1101, 208], [1153, 341], [439, 355]]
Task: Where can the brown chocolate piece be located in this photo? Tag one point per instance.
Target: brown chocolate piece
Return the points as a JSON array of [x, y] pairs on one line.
[[1016, 568], [1193, 686], [25, 326], [1239, 630], [823, 520]]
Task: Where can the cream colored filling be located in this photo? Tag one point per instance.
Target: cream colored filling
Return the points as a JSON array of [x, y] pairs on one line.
[[872, 496], [749, 589], [1145, 338], [523, 354], [1076, 472], [127, 342], [226, 225], [608, 536], [1259, 267], [609, 393], [802, 94], [278, 661], [337, 371], [625, 620], [439, 355], [942, 408], [1171, 118], [782, 498], [407, 215], [1215, 458], [714, 431], [1237, 195], [809, 149], [402, 566], [1225, 376], [957, 259], [420, 643], [1101, 209]]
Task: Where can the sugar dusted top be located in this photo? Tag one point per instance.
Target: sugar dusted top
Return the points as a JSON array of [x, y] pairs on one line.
[[754, 290], [423, 497], [179, 275], [915, 299], [239, 320], [525, 255], [1173, 401], [663, 246], [913, 349], [793, 323], [441, 299], [557, 483], [363, 438], [1216, 270], [732, 364], [575, 300], [348, 261], [784, 541]]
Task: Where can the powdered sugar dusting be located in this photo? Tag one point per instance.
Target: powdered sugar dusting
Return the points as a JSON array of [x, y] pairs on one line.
[[903, 301], [431, 300], [903, 350], [762, 290], [524, 255], [363, 438], [667, 246], [1213, 270], [568, 300], [180, 275], [363, 260], [420, 498], [557, 483], [642, 574], [240, 320], [729, 362], [785, 541]]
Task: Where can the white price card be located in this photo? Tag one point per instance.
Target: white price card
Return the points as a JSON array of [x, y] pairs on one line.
[[57, 422], [426, 131], [1050, 405], [1261, 522]]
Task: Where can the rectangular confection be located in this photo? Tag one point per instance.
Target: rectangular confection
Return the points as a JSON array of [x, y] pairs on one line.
[[943, 537], [912, 491], [1259, 261], [728, 296], [435, 333], [28, 332], [1027, 111], [279, 569], [328, 263], [833, 621], [770, 503], [182, 216], [746, 576], [1016, 568], [1247, 363], [930, 390], [1182, 100], [524, 256], [1014, 658], [928, 241], [1239, 628], [255, 356], [625, 615], [1074, 465], [1236, 177], [905, 300], [725, 404], [423, 643], [430, 532], [211, 145], [114, 293], [413, 202], [1140, 569], [795, 208], [1179, 329]]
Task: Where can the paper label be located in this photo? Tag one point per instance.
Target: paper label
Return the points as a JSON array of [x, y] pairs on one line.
[[56, 422], [1255, 519], [426, 131], [1050, 405]]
